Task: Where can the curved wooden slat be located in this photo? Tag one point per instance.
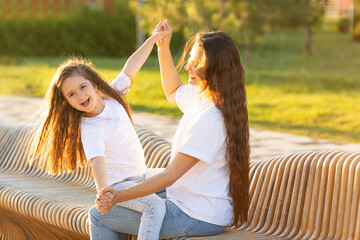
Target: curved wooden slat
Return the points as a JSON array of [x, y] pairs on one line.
[[310, 195]]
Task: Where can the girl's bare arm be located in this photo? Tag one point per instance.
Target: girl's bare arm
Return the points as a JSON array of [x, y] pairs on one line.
[[98, 168], [137, 59]]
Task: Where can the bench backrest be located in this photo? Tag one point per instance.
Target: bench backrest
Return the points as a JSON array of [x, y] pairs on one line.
[[313, 195], [15, 141]]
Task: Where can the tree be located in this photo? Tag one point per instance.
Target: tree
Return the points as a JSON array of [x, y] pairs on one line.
[[240, 19], [140, 38], [356, 26], [295, 14]]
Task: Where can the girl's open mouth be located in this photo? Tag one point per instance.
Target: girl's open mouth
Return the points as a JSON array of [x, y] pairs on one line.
[[86, 103]]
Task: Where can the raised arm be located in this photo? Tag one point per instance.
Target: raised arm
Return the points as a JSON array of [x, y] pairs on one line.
[[137, 59], [170, 78]]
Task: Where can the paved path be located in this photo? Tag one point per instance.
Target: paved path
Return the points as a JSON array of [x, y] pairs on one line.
[[264, 144]]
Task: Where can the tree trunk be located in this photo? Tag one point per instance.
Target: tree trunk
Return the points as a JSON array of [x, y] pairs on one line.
[[140, 37], [56, 5], [248, 55], [20, 6], [67, 5], [34, 5], [45, 6], [222, 14], [309, 47], [109, 6]]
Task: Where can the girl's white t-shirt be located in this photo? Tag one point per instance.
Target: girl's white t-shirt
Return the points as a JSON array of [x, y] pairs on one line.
[[112, 135], [202, 192]]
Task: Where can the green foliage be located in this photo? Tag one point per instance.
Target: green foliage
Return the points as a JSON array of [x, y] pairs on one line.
[[88, 32], [238, 18], [330, 25], [344, 25], [291, 13], [246, 21], [154, 11], [287, 91]]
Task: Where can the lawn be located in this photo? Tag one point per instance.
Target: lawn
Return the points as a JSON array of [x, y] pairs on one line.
[[287, 91]]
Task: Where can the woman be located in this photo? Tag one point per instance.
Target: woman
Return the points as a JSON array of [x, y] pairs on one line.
[[207, 179]]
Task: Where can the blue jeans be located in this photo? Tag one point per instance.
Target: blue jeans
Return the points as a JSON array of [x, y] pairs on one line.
[[123, 220], [151, 210]]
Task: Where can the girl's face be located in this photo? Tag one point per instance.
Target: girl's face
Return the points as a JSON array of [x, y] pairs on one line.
[[81, 95], [193, 66]]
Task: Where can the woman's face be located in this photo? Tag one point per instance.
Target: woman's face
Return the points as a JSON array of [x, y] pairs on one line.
[[193, 66], [81, 95]]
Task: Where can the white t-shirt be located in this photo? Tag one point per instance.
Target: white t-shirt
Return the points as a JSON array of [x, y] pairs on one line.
[[112, 135], [202, 192]]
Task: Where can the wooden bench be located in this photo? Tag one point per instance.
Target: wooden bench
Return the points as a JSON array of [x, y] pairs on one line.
[[311, 195]]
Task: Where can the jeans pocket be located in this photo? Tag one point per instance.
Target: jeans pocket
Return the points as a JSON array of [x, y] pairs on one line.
[[189, 231], [200, 228]]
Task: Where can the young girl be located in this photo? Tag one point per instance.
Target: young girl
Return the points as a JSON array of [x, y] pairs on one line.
[[88, 122], [207, 179]]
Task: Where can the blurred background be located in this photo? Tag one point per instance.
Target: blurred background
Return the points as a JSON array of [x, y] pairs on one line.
[[301, 57]]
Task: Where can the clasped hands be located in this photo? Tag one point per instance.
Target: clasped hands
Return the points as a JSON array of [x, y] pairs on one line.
[[163, 27], [106, 199]]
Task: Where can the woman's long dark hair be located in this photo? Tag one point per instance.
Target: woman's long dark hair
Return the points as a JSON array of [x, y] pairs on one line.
[[57, 142], [223, 76]]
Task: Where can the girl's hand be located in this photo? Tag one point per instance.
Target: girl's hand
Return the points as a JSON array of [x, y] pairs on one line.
[[165, 41], [159, 35]]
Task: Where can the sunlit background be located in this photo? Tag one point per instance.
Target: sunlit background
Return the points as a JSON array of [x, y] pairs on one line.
[[301, 56]]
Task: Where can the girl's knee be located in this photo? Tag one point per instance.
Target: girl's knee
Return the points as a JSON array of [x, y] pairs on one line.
[[94, 214], [155, 206], [159, 207]]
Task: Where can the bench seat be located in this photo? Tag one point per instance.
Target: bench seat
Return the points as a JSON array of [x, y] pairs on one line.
[[309, 195]]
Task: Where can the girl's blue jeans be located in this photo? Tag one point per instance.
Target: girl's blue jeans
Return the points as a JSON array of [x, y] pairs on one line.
[[151, 210], [123, 219]]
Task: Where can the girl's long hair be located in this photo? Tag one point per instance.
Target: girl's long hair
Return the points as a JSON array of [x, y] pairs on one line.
[[219, 66], [57, 142]]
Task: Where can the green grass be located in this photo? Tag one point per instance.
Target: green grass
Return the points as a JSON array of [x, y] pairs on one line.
[[288, 91], [316, 96]]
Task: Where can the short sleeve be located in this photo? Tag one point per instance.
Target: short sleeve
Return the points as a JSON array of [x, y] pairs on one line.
[[93, 144], [205, 140], [185, 96], [121, 83]]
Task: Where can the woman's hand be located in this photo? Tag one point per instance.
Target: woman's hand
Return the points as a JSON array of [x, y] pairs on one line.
[[106, 199], [165, 41]]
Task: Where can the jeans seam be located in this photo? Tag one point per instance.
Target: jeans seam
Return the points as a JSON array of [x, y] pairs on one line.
[[192, 228], [114, 217], [149, 230], [174, 215], [98, 225], [96, 222]]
